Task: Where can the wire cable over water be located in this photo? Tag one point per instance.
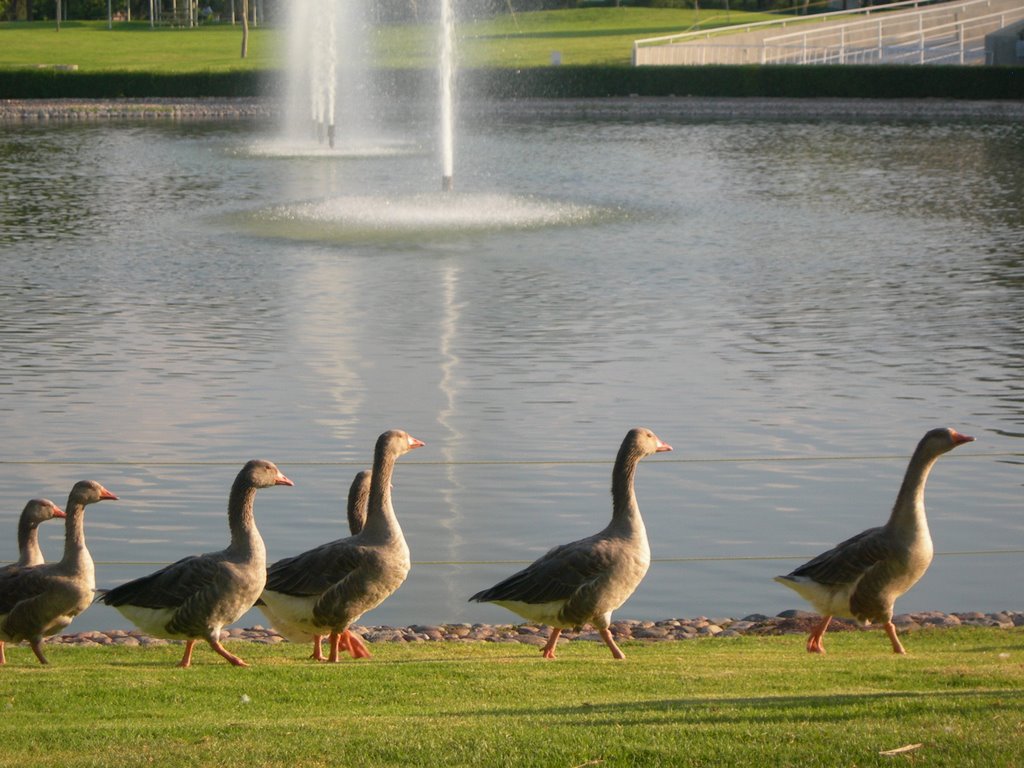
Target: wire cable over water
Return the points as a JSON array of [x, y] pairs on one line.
[[684, 559], [490, 462], [542, 462]]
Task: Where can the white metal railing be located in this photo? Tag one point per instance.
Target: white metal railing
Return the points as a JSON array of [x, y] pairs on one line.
[[680, 37], [917, 40], [950, 33]]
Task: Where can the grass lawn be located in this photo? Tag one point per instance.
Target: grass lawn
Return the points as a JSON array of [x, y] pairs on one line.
[[582, 37], [135, 47], [586, 36], [750, 701]]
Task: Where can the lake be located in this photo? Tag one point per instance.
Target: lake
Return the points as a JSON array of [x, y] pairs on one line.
[[791, 300]]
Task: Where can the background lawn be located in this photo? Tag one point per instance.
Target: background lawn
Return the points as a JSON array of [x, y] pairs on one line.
[[135, 47], [582, 37], [587, 36]]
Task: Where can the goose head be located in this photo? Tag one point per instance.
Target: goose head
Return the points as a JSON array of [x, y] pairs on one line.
[[89, 492], [938, 441], [398, 442], [644, 442], [40, 510], [260, 473]]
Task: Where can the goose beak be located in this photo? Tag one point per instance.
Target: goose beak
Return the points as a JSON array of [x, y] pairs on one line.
[[282, 480], [662, 447], [58, 512], [105, 494], [414, 443], [959, 439]]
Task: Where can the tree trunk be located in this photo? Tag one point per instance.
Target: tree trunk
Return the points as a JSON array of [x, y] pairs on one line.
[[245, 28]]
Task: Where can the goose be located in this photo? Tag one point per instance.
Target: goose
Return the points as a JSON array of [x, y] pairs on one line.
[[860, 578], [584, 581], [326, 589], [358, 501], [37, 511], [197, 596], [40, 600]]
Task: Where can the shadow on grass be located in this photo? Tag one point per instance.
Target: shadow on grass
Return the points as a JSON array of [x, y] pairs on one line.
[[776, 709]]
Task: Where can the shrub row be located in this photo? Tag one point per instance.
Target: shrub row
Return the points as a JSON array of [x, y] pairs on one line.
[[885, 82], [55, 84]]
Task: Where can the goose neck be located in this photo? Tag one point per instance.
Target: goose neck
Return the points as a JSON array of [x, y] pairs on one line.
[[29, 552], [908, 510], [241, 522], [625, 510], [380, 515], [75, 551]]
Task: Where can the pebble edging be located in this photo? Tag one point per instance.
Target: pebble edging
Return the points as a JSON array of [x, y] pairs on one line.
[[86, 110], [785, 623], [218, 108]]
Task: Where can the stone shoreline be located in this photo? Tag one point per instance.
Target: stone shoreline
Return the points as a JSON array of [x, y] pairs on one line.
[[212, 108], [786, 623], [84, 110]]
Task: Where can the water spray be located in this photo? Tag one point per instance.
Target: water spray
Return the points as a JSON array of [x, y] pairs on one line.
[[447, 77]]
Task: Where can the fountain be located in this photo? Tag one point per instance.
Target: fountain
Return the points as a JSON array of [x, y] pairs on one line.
[[324, 79], [330, 87], [327, 100], [447, 67]]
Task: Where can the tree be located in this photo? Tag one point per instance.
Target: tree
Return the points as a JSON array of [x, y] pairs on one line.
[[245, 28]]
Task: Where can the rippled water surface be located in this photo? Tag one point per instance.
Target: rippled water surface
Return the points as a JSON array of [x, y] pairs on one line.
[[790, 302]]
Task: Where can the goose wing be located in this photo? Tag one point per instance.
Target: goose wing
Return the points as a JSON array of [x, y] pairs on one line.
[[848, 561], [29, 601], [558, 575], [18, 583], [317, 570], [171, 586]]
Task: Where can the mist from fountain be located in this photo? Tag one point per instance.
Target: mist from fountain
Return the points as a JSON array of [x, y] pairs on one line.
[[330, 88], [447, 69], [327, 98]]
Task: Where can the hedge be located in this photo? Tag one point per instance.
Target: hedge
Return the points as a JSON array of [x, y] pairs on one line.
[[837, 81], [846, 81], [57, 84]]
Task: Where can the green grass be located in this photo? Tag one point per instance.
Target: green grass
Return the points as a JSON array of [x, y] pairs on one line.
[[588, 36], [582, 37], [135, 47], [744, 701]]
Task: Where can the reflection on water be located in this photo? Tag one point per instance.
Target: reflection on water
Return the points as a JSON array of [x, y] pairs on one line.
[[175, 302]]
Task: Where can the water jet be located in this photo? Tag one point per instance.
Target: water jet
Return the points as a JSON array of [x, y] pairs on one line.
[[447, 70]]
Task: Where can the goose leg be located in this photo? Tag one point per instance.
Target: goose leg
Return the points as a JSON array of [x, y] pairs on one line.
[[318, 651], [351, 642], [3, 659], [606, 635], [334, 643], [355, 646], [186, 660], [215, 644], [37, 649], [897, 646], [814, 644], [549, 649]]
